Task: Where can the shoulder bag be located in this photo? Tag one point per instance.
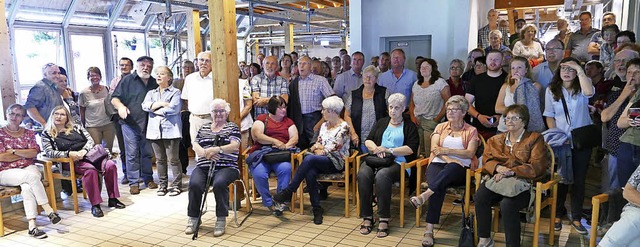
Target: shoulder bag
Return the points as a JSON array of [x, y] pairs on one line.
[[508, 186], [276, 156], [584, 137]]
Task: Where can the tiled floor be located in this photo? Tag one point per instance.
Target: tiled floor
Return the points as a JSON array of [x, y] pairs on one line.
[[150, 220]]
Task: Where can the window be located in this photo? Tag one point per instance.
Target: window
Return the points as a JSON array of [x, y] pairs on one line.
[[129, 45], [88, 51]]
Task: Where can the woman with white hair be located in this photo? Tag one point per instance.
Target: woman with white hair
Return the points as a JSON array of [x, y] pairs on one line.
[[326, 156], [216, 146], [396, 138], [453, 146]]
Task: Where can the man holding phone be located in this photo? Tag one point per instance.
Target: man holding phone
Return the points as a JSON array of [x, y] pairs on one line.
[[483, 90]]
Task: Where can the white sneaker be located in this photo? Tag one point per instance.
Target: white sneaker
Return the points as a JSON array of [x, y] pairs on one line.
[[218, 230], [191, 225]]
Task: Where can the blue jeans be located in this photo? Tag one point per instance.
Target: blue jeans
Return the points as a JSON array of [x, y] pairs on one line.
[[628, 160], [612, 169], [138, 153], [260, 173], [310, 120]]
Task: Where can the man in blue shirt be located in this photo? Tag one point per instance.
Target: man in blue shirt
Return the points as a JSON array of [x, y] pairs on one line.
[[44, 96], [398, 79], [350, 79]]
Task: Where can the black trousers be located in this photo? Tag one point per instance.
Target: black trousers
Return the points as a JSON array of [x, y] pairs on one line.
[[580, 162], [509, 208], [440, 176], [222, 178], [382, 180], [185, 142]]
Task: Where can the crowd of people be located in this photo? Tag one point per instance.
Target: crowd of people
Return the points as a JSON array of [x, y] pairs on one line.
[[514, 91]]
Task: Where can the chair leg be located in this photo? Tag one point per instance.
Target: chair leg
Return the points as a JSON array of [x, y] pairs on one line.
[[536, 224], [402, 185], [418, 192], [554, 198], [235, 206], [1, 222], [496, 219], [595, 215], [301, 196]]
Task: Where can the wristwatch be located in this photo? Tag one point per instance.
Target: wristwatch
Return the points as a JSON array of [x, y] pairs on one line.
[[391, 151], [220, 152], [13, 151]]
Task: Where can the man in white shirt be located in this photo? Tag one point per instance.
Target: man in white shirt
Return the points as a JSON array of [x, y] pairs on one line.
[[198, 94]]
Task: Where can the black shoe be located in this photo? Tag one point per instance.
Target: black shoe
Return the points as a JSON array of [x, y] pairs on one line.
[[579, 228], [37, 233], [324, 194], [54, 218], [115, 203], [79, 186], [282, 196], [317, 215], [97, 211], [557, 226]]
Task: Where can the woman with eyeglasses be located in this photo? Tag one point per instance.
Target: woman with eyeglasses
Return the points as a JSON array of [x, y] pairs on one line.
[[453, 148], [519, 153], [456, 85], [18, 149], [571, 85]]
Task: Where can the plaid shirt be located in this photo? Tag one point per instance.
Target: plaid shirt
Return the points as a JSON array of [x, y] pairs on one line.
[[267, 88], [483, 36], [313, 90]]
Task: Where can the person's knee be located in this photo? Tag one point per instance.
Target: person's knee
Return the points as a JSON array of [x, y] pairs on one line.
[[220, 186], [260, 174]]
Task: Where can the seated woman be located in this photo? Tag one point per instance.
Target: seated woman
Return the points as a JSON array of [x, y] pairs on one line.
[[18, 149], [625, 231], [397, 136], [453, 146], [164, 130], [517, 152], [273, 131], [64, 139], [327, 156], [216, 146]]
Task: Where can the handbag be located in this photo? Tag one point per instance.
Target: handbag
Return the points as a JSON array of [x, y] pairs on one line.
[[73, 141], [96, 155], [374, 161], [277, 155], [466, 235], [509, 186], [585, 137]]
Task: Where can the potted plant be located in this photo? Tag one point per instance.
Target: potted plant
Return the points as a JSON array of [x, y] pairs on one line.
[[131, 43]]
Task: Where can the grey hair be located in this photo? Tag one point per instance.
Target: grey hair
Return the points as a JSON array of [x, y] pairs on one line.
[[460, 101], [372, 70], [457, 61], [333, 103], [19, 107], [397, 99], [496, 32], [219, 101]]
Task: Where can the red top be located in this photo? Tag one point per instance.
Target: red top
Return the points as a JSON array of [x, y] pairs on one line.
[[26, 141], [275, 129]]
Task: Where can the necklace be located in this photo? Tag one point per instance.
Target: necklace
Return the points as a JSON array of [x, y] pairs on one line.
[[12, 131], [96, 91]]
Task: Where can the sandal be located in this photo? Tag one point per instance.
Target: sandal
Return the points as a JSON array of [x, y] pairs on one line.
[[416, 201], [427, 239], [174, 191], [383, 232], [364, 229]]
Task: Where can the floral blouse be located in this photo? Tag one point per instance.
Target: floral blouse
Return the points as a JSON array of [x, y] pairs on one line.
[[26, 141], [336, 139]]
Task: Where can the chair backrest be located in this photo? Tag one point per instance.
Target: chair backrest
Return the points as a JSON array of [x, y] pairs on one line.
[[552, 166], [475, 161]]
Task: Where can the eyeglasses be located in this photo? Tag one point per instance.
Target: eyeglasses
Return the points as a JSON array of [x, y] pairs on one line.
[[15, 115], [221, 111], [567, 69], [60, 114], [455, 68], [204, 60], [512, 119], [554, 49], [453, 110]]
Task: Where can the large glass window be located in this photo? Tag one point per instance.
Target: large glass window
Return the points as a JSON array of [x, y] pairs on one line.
[[34, 49], [88, 51], [129, 45]]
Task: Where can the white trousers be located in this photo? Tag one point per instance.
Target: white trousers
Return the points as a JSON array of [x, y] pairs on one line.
[[29, 180], [195, 123]]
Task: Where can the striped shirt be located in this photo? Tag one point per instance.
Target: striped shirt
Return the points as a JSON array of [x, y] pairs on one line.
[[313, 90], [206, 138], [267, 88]]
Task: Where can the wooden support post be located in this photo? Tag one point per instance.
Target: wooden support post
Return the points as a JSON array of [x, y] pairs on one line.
[[6, 62], [521, 14], [288, 38], [512, 21], [194, 39], [256, 47]]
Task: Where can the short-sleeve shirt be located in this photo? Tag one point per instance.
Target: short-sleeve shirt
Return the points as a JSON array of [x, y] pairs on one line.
[[577, 105], [485, 90], [95, 114], [457, 90], [26, 141], [612, 142], [401, 85], [268, 87], [634, 181], [313, 90], [198, 92], [532, 51], [245, 94], [336, 139], [578, 44], [632, 135], [205, 138], [274, 129], [393, 137], [428, 101]]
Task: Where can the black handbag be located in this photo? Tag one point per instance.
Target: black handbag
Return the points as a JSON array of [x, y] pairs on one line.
[[466, 235], [374, 161], [276, 156], [585, 137], [74, 141]]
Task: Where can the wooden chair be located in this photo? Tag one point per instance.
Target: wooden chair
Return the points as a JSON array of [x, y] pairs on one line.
[[62, 176], [403, 184], [596, 201], [539, 202], [248, 179], [347, 177], [9, 191]]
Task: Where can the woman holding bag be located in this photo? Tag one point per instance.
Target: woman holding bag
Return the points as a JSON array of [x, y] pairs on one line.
[[64, 139], [566, 108]]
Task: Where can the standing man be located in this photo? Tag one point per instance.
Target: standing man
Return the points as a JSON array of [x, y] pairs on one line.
[[543, 73], [608, 18], [351, 79], [515, 36], [187, 68], [197, 94], [398, 79], [268, 84], [346, 63], [579, 40], [44, 95], [126, 65], [260, 58], [127, 99], [483, 33], [385, 62], [483, 90]]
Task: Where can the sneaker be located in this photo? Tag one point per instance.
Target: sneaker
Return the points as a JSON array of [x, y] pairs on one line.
[[276, 209], [580, 228], [282, 196], [557, 226], [317, 215], [191, 225], [174, 191], [152, 185], [134, 189], [124, 180], [218, 230], [54, 218], [37, 233]]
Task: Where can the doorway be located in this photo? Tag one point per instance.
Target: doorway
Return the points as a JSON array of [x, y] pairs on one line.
[[413, 46]]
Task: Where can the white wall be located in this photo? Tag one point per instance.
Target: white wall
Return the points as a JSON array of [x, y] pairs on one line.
[[452, 24]]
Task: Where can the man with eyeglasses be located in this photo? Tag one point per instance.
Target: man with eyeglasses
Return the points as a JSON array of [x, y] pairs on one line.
[[579, 40], [197, 94], [127, 99], [125, 65], [543, 73], [471, 60], [44, 96], [483, 90]]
